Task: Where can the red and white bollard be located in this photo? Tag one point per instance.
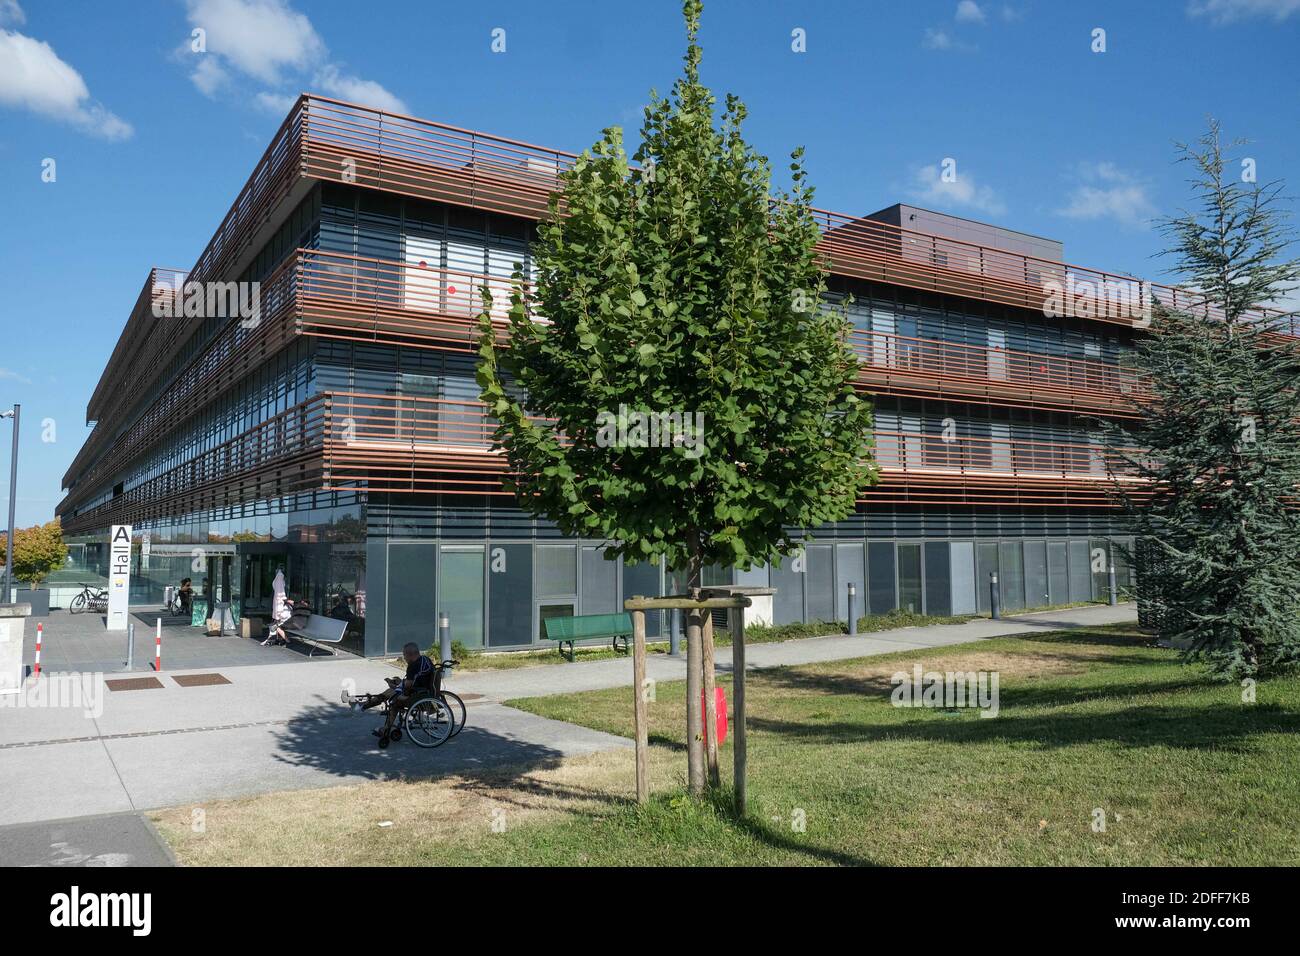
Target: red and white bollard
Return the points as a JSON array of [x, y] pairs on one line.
[[40, 628], [157, 647]]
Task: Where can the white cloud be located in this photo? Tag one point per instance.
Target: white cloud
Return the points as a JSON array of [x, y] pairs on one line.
[[356, 90], [11, 12], [968, 11], [260, 38], [33, 77], [209, 76], [936, 38], [1107, 192], [1221, 12], [930, 187], [11, 375], [275, 103], [270, 42]]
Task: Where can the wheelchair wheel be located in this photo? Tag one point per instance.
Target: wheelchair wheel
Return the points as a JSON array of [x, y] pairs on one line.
[[395, 734], [457, 708], [383, 741], [429, 722]]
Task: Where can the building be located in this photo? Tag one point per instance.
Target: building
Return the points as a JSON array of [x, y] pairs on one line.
[[331, 425]]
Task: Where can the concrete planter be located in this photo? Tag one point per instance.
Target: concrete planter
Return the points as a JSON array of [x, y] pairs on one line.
[[12, 619], [39, 599]]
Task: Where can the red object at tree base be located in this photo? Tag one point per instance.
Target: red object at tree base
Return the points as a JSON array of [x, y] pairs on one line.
[[719, 702]]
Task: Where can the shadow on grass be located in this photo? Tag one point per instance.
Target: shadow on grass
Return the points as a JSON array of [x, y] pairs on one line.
[[880, 685], [771, 837], [1212, 727], [1127, 637]]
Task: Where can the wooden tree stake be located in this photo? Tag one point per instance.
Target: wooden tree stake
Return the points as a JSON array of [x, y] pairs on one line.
[[639, 706]]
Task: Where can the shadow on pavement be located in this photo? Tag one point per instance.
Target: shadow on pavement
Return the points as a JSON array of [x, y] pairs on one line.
[[330, 739]]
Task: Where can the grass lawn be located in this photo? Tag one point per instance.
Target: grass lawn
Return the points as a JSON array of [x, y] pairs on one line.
[[1185, 772]]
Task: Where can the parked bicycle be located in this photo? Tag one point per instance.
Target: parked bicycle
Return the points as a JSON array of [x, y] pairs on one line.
[[90, 599]]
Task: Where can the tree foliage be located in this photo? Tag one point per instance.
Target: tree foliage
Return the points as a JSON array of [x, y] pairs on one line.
[[681, 285], [1219, 566], [38, 551]]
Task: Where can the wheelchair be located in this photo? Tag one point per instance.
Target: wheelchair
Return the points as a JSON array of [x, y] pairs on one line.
[[425, 719]]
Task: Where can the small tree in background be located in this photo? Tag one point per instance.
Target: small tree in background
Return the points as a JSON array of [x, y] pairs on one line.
[[39, 551], [1219, 563], [679, 289]]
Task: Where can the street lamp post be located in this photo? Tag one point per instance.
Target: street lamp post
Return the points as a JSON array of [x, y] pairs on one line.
[[16, 414]]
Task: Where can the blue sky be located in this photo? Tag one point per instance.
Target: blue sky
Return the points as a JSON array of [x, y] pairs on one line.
[[151, 141]]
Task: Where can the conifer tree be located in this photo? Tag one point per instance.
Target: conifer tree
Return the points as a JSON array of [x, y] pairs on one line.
[[1219, 554]]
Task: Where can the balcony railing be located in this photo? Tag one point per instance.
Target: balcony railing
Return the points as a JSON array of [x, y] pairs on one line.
[[379, 443], [234, 352], [357, 145], [364, 299], [354, 144], [922, 365], [927, 453], [279, 456], [406, 443]]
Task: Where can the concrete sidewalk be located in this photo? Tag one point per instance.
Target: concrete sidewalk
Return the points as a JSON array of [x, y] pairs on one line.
[[88, 750], [546, 679]]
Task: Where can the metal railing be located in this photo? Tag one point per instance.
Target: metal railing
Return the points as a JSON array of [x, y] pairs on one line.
[[985, 365]]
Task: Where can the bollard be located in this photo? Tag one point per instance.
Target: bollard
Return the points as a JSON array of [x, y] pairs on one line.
[[39, 635], [130, 646], [444, 636], [675, 633], [853, 610], [1112, 583], [157, 647], [995, 597]]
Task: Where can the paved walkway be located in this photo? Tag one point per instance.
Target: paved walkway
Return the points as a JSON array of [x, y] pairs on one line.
[[78, 642], [107, 753]]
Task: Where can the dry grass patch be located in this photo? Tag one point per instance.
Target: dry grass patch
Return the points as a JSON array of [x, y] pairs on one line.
[[443, 821]]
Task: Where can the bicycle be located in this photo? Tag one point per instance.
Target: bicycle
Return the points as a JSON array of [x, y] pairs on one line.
[[90, 598], [452, 700]]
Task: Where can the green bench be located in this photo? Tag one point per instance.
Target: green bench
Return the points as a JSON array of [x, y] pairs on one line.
[[583, 627]]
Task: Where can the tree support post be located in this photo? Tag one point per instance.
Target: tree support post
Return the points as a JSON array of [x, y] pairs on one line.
[[738, 690], [639, 705], [694, 690], [710, 702]]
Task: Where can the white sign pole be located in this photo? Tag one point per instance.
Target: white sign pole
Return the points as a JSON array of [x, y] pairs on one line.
[[119, 576]]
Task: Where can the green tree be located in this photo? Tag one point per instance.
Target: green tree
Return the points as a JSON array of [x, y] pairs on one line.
[[683, 287], [1219, 562], [38, 552]]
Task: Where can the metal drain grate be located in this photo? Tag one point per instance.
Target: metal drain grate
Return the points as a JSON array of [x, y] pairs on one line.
[[134, 683], [199, 680]]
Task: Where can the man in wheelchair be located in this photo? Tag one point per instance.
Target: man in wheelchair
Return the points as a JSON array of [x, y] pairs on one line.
[[401, 691]]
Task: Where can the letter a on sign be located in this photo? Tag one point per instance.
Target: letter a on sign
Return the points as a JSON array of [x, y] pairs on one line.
[[119, 576]]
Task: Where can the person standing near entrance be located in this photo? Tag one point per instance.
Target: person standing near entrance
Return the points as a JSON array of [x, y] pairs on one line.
[[280, 611]]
